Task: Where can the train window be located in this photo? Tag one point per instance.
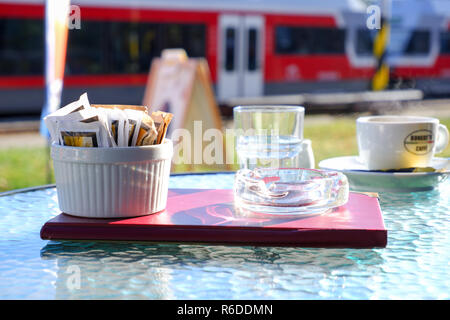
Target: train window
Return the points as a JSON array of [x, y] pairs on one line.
[[364, 42], [102, 47], [149, 44], [190, 37], [173, 36], [195, 40], [328, 40], [88, 49], [445, 42], [99, 47], [305, 40], [252, 49], [292, 40], [21, 46], [122, 48], [419, 43], [230, 47]]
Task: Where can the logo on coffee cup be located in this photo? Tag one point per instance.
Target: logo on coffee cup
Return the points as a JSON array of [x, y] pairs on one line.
[[419, 142]]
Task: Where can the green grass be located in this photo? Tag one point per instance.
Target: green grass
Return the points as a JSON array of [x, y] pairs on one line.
[[26, 167], [337, 138]]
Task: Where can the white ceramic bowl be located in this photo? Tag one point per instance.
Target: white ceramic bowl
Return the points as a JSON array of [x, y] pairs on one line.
[[112, 182]]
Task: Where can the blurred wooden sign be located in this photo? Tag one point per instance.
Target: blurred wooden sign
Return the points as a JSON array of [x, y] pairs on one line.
[[183, 86]]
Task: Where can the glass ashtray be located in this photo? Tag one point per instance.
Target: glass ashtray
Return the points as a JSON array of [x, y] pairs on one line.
[[289, 191]]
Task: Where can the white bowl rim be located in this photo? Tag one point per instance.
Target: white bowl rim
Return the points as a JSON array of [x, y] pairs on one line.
[[162, 151]]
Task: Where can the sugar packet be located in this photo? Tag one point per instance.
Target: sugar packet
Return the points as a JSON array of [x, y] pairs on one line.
[[52, 119], [81, 134], [134, 121], [162, 120], [147, 132], [118, 124]]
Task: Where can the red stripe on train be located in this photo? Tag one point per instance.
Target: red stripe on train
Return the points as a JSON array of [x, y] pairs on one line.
[[12, 82], [21, 11], [75, 81]]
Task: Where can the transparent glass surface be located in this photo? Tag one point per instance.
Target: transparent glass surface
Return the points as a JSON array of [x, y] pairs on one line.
[[289, 191], [414, 265], [268, 136]]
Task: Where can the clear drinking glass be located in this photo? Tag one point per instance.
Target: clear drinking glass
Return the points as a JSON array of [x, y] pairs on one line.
[[269, 136]]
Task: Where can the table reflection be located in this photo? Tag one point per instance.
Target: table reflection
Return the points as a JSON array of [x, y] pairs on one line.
[[171, 271]]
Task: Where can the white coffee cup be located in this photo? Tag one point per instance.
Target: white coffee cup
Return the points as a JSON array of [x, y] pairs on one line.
[[396, 142]]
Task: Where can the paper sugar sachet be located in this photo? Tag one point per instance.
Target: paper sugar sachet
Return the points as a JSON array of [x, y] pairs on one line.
[[77, 124], [84, 128], [133, 129], [162, 120], [147, 132], [78, 134], [116, 123], [51, 120], [134, 118], [80, 124]]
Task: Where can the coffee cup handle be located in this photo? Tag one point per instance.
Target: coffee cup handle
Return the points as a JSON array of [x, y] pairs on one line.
[[442, 138]]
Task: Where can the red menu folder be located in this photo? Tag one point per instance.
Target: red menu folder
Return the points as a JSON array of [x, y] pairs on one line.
[[209, 216]]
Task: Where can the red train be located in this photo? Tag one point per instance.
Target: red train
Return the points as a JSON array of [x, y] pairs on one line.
[[253, 47]]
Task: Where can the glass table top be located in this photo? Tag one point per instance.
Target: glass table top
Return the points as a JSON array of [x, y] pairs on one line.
[[414, 265]]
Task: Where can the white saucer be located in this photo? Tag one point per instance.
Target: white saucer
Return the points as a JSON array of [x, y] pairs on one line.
[[361, 179]]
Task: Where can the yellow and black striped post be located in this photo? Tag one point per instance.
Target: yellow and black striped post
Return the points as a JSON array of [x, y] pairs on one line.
[[380, 79]]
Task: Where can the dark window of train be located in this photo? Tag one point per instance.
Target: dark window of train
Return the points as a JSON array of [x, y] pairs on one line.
[[89, 49], [103, 47], [419, 43], [149, 45], [364, 42], [252, 49], [230, 43], [123, 48], [445, 42], [190, 37], [305, 40], [21, 47]]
